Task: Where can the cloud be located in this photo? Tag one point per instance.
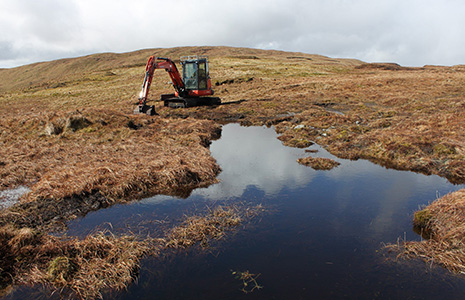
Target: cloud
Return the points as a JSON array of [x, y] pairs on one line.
[[410, 32], [37, 30], [6, 50]]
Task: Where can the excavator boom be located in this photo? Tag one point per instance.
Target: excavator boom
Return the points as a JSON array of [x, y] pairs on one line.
[[150, 68]]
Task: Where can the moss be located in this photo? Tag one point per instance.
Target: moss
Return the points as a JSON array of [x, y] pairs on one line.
[[444, 149], [342, 135], [386, 114], [299, 143], [60, 269], [422, 218], [270, 105]]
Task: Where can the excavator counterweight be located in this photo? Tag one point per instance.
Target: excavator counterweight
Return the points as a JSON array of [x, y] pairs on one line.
[[192, 89]]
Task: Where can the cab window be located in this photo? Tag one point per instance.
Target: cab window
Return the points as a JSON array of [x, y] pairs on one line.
[[202, 76], [190, 75]]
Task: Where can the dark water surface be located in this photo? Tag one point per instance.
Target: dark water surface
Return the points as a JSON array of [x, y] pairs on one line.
[[321, 239]]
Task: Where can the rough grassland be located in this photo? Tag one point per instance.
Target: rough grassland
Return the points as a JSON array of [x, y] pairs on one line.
[[112, 158], [442, 225], [68, 133]]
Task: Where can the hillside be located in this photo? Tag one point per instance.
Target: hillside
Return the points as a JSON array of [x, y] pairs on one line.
[[50, 74], [68, 133]]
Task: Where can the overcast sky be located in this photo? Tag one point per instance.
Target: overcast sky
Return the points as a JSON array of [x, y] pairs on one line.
[[409, 32]]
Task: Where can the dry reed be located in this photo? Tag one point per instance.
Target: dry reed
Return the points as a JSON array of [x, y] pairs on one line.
[[442, 224], [200, 229], [249, 281], [88, 267]]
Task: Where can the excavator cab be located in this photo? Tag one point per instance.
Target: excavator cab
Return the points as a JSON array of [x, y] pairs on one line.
[[195, 75]]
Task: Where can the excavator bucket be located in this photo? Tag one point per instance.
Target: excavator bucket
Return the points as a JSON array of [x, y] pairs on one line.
[[145, 109]]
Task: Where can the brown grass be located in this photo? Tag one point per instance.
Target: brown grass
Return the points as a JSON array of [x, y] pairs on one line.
[[391, 113], [86, 268], [200, 229], [318, 163], [81, 267], [403, 118], [90, 160], [442, 222], [104, 162]]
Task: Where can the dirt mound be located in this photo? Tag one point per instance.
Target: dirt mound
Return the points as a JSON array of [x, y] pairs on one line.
[[385, 66]]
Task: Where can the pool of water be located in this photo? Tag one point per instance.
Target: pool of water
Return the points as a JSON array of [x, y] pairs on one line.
[[11, 197], [322, 237]]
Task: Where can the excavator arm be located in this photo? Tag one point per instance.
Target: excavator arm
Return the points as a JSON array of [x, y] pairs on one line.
[[160, 63]]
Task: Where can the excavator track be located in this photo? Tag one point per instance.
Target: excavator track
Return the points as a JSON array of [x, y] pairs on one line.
[[182, 102]]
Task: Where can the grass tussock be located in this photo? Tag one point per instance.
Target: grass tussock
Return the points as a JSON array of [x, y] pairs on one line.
[[442, 223], [80, 268], [200, 229], [318, 163], [89, 266]]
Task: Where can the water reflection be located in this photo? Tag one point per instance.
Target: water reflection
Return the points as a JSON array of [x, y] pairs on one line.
[[11, 197], [253, 156], [393, 194]]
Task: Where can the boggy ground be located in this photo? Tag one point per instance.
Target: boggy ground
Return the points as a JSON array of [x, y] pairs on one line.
[[81, 161], [68, 133], [77, 162], [404, 118]]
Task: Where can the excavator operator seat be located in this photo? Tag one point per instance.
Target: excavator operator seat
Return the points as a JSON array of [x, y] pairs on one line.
[[195, 72]]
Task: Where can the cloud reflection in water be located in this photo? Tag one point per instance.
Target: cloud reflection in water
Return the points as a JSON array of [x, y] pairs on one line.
[[253, 156]]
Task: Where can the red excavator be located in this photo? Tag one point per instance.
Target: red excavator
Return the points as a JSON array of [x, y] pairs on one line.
[[190, 90]]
